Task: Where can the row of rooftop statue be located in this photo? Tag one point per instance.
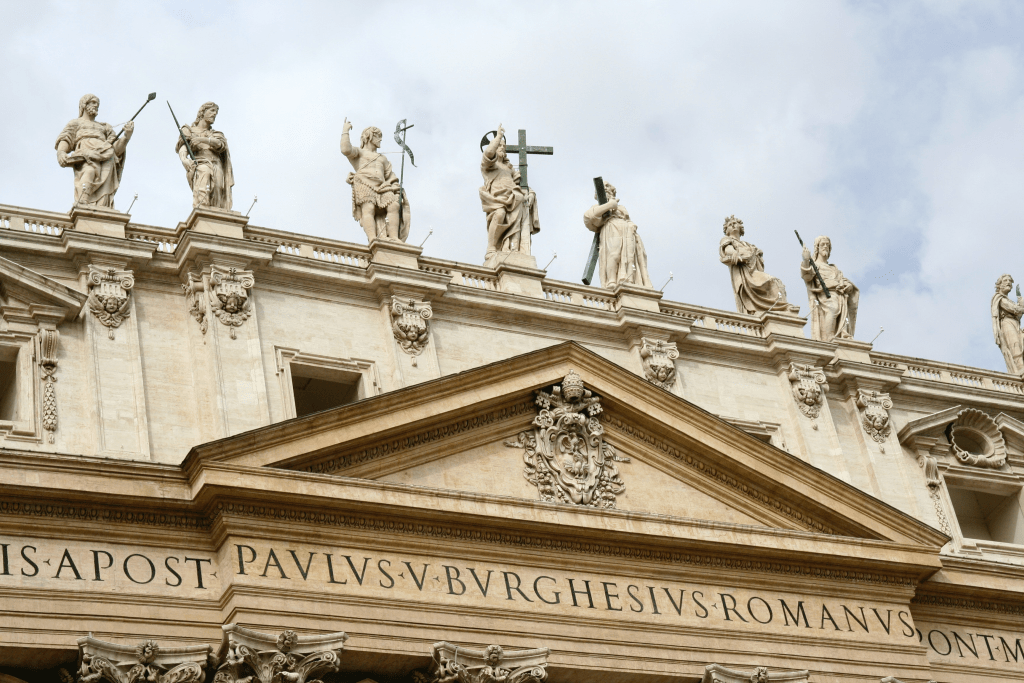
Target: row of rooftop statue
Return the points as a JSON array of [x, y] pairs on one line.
[[381, 206]]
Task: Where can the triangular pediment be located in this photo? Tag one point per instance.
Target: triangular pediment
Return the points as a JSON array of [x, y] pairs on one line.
[[23, 292], [459, 435]]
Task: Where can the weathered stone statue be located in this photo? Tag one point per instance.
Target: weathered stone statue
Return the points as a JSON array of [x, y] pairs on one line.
[[511, 210], [623, 257], [834, 316], [375, 188], [95, 152], [209, 175], [756, 291], [1006, 325]]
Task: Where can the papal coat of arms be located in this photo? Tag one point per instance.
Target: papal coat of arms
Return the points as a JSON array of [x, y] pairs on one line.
[[567, 458]]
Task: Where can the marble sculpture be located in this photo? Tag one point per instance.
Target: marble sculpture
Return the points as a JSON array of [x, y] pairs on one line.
[[833, 316], [95, 153], [375, 188], [623, 258], [210, 175]]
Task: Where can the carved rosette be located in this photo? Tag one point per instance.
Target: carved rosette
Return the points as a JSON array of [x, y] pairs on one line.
[[196, 307], [809, 387], [230, 298], [975, 439], [252, 657], [567, 458], [46, 352], [146, 663], [716, 673], [109, 292], [455, 664], [658, 358], [409, 324], [875, 417]]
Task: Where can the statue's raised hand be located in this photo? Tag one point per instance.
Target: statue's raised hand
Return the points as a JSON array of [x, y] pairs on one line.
[[129, 128], [346, 127]]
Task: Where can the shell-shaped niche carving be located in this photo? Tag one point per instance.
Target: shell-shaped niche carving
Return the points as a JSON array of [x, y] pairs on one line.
[[975, 439]]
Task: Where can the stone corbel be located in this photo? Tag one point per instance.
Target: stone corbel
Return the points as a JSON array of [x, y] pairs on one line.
[[410, 323], [716, 673], [453, 663], [230, 298], [809, 386], [109, 296], [875, 416], [146, 663], [659, 361], [193, 289], [252, 657]]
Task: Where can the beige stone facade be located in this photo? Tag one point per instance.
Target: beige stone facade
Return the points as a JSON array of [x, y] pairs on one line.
[[287, 458]]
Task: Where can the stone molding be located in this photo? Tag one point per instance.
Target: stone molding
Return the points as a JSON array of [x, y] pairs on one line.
[[716, 673], [658, 360], [145, 663], [454, 664], [410, 323], [109, 296], [924, 599], [231, 296], [248, 656]]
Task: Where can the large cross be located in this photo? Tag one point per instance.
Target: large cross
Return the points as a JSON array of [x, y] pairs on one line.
[[523, 149]]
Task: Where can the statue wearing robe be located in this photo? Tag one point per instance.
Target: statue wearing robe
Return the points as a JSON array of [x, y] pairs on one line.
[[622, 254], [1006, 327], [88, 146], [375, 188], [210, 176], [512, 217], [835, 316], [756, 291]]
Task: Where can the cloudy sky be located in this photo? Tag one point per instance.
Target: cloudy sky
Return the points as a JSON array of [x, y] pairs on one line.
[[895, 128]]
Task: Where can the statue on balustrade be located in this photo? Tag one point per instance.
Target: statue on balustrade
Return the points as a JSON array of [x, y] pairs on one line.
[[833, 316], [623, 257], [511, 209], [1006, 325], [209, 175], [756, 291], [95, 153], [375, 188]]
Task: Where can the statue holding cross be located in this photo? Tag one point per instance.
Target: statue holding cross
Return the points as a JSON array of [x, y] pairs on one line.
[[510, 204]]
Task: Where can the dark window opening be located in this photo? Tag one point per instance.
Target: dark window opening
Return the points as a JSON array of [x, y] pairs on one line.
[[8, 384], [317, 389]]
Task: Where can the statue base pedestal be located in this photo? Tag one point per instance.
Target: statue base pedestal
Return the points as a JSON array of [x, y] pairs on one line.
[[788, 324], [511, 258], [523, 280], [632, 296], [216, 222], [397, 254], [855, 351], [96, 221]]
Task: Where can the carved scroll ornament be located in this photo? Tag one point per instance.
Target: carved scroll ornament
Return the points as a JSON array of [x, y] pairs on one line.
[[876, 414], [109, 292], [658, 359], [252, 657], [193, 298], [230, 298], [809, 387], [409, 324], [567, 458], [454, 664], [146, 663]]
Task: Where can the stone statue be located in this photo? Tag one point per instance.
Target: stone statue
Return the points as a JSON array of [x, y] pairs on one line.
[[511, 209], [835, 316], [623, 257], [95, 152], [375, 188], [210, 175], [1006, 325], [756, 291]]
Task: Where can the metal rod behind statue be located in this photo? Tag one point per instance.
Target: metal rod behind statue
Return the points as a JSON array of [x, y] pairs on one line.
[[400, 128], [152, 96], [188, 147], [595, 246], [817, 273]]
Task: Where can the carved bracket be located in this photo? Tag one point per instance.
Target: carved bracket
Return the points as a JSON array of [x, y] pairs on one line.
[[716, 673], [46, 352], [409, 322], [454, 664], [193, 298], [809, 387], [109, 292], [875, 418], [567, 458], [230, 299], [253, 657], [658, 358], [146, 663]]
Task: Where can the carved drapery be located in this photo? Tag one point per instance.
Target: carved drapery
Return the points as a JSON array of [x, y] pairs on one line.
[[716, 673], [809, 387], [230, 298], [875, 417], [252, 657], [109, 292], [196, 308], [146, 663], [658, 358], [454, 664], [46, 352], [566, 457], [409, 322]]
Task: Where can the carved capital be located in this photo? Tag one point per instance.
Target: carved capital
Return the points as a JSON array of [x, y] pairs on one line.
[[230, 298], [567, 458], [145, 663], [109, 292], [46, 352], [455, 664], [410, 324], [192, 287], [253, 657], [809, 387], [875, 416], [658, 358], [716, 673]]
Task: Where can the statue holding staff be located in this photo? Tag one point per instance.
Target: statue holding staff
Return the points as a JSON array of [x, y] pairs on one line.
[[95, 153], [375, 188], [756, 291], [622, 254], [511, 207], [833, 315], [209, 174], [1006, 327]]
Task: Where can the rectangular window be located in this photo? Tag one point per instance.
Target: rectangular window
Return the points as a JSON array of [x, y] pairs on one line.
[[8, 383], [316, 389], [988, 516]]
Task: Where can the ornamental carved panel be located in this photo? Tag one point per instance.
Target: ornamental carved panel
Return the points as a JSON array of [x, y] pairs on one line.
[[409, 323], [109, 292], [455, 664], [230, 299], [659, 361], [566, 456], [252, 657], [809, 387], [875, 417], [146, 663]]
